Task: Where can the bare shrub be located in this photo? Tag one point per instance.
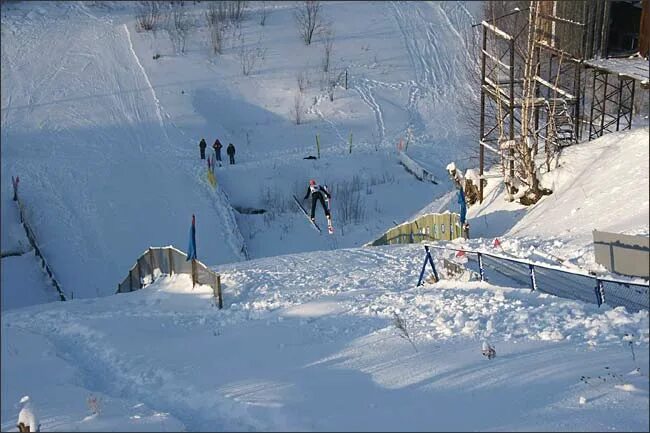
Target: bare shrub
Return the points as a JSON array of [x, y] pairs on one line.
[[148, 15], [236, 10], [301, 79], [264, 13], [400, 324], [251, 57], [179, 27], [298, 108], [349, 202], [309, 20], [216, 16], [328, 43]]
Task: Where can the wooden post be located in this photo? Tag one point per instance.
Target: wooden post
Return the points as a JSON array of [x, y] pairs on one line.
[[318, 146], [218, 290], [193, 272], [346, 78], [171, 261], [139, 272], [151, 262]]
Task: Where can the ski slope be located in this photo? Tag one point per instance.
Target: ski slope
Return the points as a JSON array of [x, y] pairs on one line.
[[104, 138], [82, 127], [307, 342]]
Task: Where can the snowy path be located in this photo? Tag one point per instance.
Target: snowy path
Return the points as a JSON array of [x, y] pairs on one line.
[[83, 130], [306, 342]]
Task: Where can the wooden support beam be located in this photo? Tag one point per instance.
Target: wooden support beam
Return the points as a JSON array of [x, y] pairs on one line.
[[497, 31], [554, 88], [559, 19], [494, 59]]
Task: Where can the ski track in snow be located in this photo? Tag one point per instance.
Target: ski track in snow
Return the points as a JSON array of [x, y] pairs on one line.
[[351, 286], [51, 110]]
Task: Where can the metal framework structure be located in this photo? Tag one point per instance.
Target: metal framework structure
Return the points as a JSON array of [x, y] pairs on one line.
[[568, 34], [612, 103]]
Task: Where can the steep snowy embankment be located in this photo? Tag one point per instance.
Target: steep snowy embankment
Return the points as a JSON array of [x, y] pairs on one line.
[[82, 127], [600, 184]]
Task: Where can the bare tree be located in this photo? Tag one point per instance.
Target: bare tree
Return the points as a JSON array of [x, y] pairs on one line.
[[308, 19], [251, 57], [301, 79], [216, 19], [265, 12], [236, 10], [179, 27], [298, 108], [148, 15], [328, 43]]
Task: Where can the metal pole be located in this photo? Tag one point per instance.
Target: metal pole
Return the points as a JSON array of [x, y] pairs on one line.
[[480, 267], [482, 130], [604, 107], [620, 101]]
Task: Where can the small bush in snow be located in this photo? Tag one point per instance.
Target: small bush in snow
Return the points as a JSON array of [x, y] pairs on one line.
[[250, 57], [328, 44], [348, 201], [301, 79], [298, 108], [400, 324], [179, 27], [148, 15], [216, 18]]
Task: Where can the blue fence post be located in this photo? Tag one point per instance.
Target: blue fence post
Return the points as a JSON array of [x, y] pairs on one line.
[[427, 259], [600, 292], [480, 267], [533, 281]]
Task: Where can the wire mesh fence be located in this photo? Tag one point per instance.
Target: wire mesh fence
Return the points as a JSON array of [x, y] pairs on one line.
[[552, 280]]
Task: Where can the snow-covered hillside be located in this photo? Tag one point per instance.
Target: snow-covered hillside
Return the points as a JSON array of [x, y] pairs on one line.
[[102, 123], [598, 185], [308, 342], [105, 137]]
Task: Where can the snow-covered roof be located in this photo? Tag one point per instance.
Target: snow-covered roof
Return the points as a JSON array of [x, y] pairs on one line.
[[635, 67]]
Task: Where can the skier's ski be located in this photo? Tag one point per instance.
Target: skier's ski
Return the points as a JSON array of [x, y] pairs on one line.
[[313, 223]]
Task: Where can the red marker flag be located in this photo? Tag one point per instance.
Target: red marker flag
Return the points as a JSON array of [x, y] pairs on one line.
[[497, 243]]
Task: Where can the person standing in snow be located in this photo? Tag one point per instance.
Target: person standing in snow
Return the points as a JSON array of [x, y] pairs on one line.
[[231, 153], [27, 419], [202, 146], [318, 193], [217, 149]]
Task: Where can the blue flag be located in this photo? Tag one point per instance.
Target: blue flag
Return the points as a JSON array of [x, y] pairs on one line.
[[463, 205], [191, 250]]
